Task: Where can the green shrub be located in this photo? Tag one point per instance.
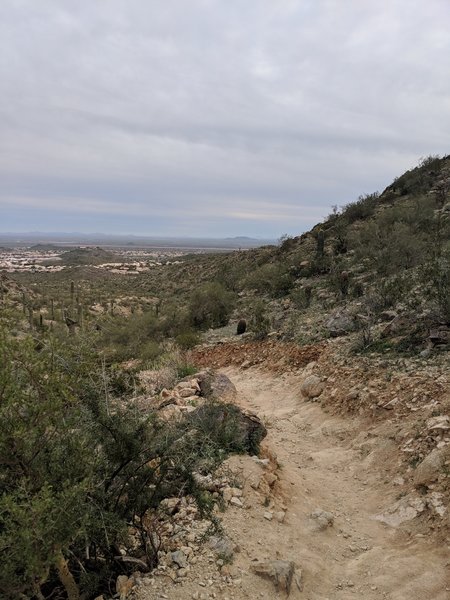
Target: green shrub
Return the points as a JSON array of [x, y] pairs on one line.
[[78, 470], [274, 279], [210, 306], [259, 321], [187, 339], [363, 208]]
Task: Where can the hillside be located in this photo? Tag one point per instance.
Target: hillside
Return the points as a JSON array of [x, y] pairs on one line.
[[88, 256], [309, 454]]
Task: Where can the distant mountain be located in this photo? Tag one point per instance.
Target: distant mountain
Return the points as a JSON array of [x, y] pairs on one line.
[[40, 240]]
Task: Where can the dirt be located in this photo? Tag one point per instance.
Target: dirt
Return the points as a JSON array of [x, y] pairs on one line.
[[318, 460]]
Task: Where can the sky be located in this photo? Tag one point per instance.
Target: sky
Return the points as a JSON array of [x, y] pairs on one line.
[[213, 118]]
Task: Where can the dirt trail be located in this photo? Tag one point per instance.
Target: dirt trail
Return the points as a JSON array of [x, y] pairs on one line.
[[321, 467]]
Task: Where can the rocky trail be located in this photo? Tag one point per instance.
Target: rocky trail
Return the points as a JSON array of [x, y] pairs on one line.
[[313, 502], [356, 556]]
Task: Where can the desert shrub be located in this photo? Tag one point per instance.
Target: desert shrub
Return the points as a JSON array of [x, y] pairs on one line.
[[78, 470], [134, 337], [361, 209], [388, 247], [286, 244], [301, 297], [230, 278], [274, 279], [259, 321], [187, 339], [210, 306], [435, 278]]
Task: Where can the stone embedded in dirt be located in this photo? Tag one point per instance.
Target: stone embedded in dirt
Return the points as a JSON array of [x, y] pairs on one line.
[[280, 515], [437, 502], [236, 502], [431, 466], [268, 516], [223, 547], [340, 324], [123, 586], [187, 392], [440, 423], [271, 478], [406, 509], [264, 462], [312, 387], [179, 558], [280, 572], [321, 519]]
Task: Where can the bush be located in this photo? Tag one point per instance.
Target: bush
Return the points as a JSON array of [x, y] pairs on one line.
[[259, 321], [187, 339], [210, 306], [271, 278], [78, 470], [363, 208]]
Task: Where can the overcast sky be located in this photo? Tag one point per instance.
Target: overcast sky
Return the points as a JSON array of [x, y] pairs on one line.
[[213, 117]]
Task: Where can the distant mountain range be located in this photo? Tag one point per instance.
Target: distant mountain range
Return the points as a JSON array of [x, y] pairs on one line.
[[58, 238]]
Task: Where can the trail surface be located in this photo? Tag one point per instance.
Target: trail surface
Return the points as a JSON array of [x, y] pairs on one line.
[[322, 467]]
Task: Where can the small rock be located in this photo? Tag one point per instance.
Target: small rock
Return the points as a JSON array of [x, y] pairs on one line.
[[322, 519], [223, 547], [179, 558], [312, 387], [280, 572], [271, 478], [123, 586], [280, 515], [236, 502], [268, 515]]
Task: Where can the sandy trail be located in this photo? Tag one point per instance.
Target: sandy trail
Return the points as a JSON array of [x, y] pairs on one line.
[[321, 467]]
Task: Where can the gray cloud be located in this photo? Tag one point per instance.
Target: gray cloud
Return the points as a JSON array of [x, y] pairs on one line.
[[247, 116]]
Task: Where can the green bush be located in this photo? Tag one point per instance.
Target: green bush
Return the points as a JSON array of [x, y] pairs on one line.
[[259, 321], [274, 279], [210, 306], [77, 470], [187, 339], [363, 208]]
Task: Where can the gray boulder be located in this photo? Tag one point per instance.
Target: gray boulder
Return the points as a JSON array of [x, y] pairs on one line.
[[215, 385], [280, 572]]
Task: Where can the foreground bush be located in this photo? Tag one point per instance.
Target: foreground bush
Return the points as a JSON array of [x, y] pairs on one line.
[[78, 469]]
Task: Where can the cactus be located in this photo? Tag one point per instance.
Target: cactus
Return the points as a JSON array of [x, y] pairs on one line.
[[344, 282], [52, 309], [320, 240], [80, 315], [241, 327]]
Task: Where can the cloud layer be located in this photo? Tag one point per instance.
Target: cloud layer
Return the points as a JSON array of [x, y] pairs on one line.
[[213, 118]]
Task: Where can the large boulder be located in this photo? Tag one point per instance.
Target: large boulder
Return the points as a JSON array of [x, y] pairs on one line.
[[340, 324], [215, 385], [431, 467]]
